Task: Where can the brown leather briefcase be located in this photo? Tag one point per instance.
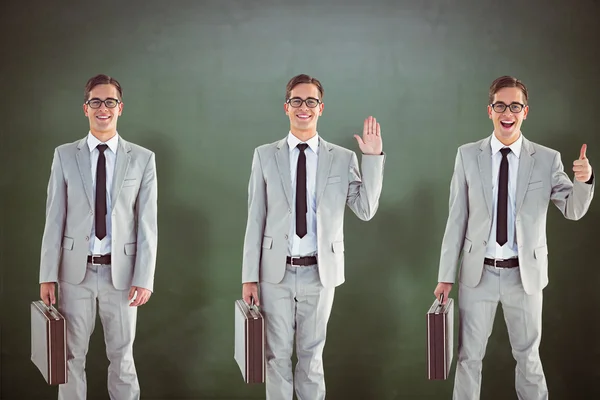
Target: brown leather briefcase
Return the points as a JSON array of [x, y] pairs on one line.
[[49, 342], [440, 340], [249, 350]]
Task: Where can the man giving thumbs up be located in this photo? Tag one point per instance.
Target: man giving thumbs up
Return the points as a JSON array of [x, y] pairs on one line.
[[499, 198]]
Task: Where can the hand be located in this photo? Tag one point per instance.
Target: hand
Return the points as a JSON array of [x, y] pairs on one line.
[[582, 167], [370, 143], [250, 290], [443, 287], [47, 293], [142, 297]]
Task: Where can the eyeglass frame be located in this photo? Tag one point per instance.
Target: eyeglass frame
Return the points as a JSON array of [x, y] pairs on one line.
[[303, 101], [493, 105], [87, 103]]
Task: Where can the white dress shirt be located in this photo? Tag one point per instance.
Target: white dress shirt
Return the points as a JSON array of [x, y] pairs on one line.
[[509, 250], [308, 244], [100, 247]]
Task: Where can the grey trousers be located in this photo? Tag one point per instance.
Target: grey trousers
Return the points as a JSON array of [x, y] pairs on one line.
[[78, 303], [298, 306], [523, 317]]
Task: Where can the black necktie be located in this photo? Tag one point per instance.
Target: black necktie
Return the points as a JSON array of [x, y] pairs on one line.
[[301, 204], [501, 223], [101, 193]]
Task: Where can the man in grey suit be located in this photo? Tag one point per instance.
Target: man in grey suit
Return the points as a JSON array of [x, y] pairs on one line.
[[294, 244], [499, 198], [100, 240]]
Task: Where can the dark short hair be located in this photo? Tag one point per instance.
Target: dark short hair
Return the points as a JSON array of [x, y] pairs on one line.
[[101, 80], [505, 82], [299, 79]]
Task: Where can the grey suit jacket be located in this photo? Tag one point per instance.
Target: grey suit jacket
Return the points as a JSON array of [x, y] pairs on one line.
[[70, 216], [541, 179], [270, 208]]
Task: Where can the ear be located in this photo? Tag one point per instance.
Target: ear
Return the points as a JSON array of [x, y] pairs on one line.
[[286, 108], [321, 107], [85, 110], [525, 112], [489, 110], [120, 108]]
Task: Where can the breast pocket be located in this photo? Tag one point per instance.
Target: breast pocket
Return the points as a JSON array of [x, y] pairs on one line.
[[130, 182], [333, 180], [535, 185]]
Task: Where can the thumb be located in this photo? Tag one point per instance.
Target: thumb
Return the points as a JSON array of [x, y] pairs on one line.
[[359, 140], [132, 292], [582, 152]]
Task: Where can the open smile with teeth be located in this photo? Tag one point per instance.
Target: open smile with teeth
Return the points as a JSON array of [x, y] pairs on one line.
[[507, 124], [103, 117], [303, 117]]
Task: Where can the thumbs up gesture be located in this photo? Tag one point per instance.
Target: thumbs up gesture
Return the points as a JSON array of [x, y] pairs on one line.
[[582, 167]]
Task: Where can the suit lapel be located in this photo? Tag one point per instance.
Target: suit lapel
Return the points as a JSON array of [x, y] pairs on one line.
[[282, 157], [323, 167], [121, 166], [526, 163], [485, 171], [85, 169]]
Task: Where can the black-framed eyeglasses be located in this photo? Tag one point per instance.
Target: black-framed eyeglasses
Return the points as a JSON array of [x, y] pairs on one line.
[[514, 107], [296, 102], [109, 103]]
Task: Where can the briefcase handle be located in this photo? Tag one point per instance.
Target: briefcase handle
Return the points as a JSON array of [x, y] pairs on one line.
[[440, 306], [52, 311]]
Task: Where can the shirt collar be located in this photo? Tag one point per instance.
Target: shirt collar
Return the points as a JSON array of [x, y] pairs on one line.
[[113, 143], [515, 147], [313, 142]]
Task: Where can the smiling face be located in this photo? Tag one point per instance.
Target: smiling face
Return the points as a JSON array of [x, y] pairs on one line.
[[103, 120], [507, 112], [304, 108]]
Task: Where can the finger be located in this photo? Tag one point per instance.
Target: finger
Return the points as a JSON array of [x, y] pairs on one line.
[[378, 130], [144, 299], [365, 127], [359, 140], [52, 296], [136, 302], [46, 299], [132, 292], [43, 295], [256, 299], [582, 152], [371, 125], [581, 168]]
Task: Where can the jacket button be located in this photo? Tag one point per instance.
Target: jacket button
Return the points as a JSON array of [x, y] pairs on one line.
[[485, 243], [91, 212], [290, 210], [286, 236], [87, 238]]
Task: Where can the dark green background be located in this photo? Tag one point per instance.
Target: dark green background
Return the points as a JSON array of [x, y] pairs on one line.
[[204, 83]]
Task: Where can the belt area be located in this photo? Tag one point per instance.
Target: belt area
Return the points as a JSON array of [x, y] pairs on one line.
[[99, 260], [302, 261], [510, 263]]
